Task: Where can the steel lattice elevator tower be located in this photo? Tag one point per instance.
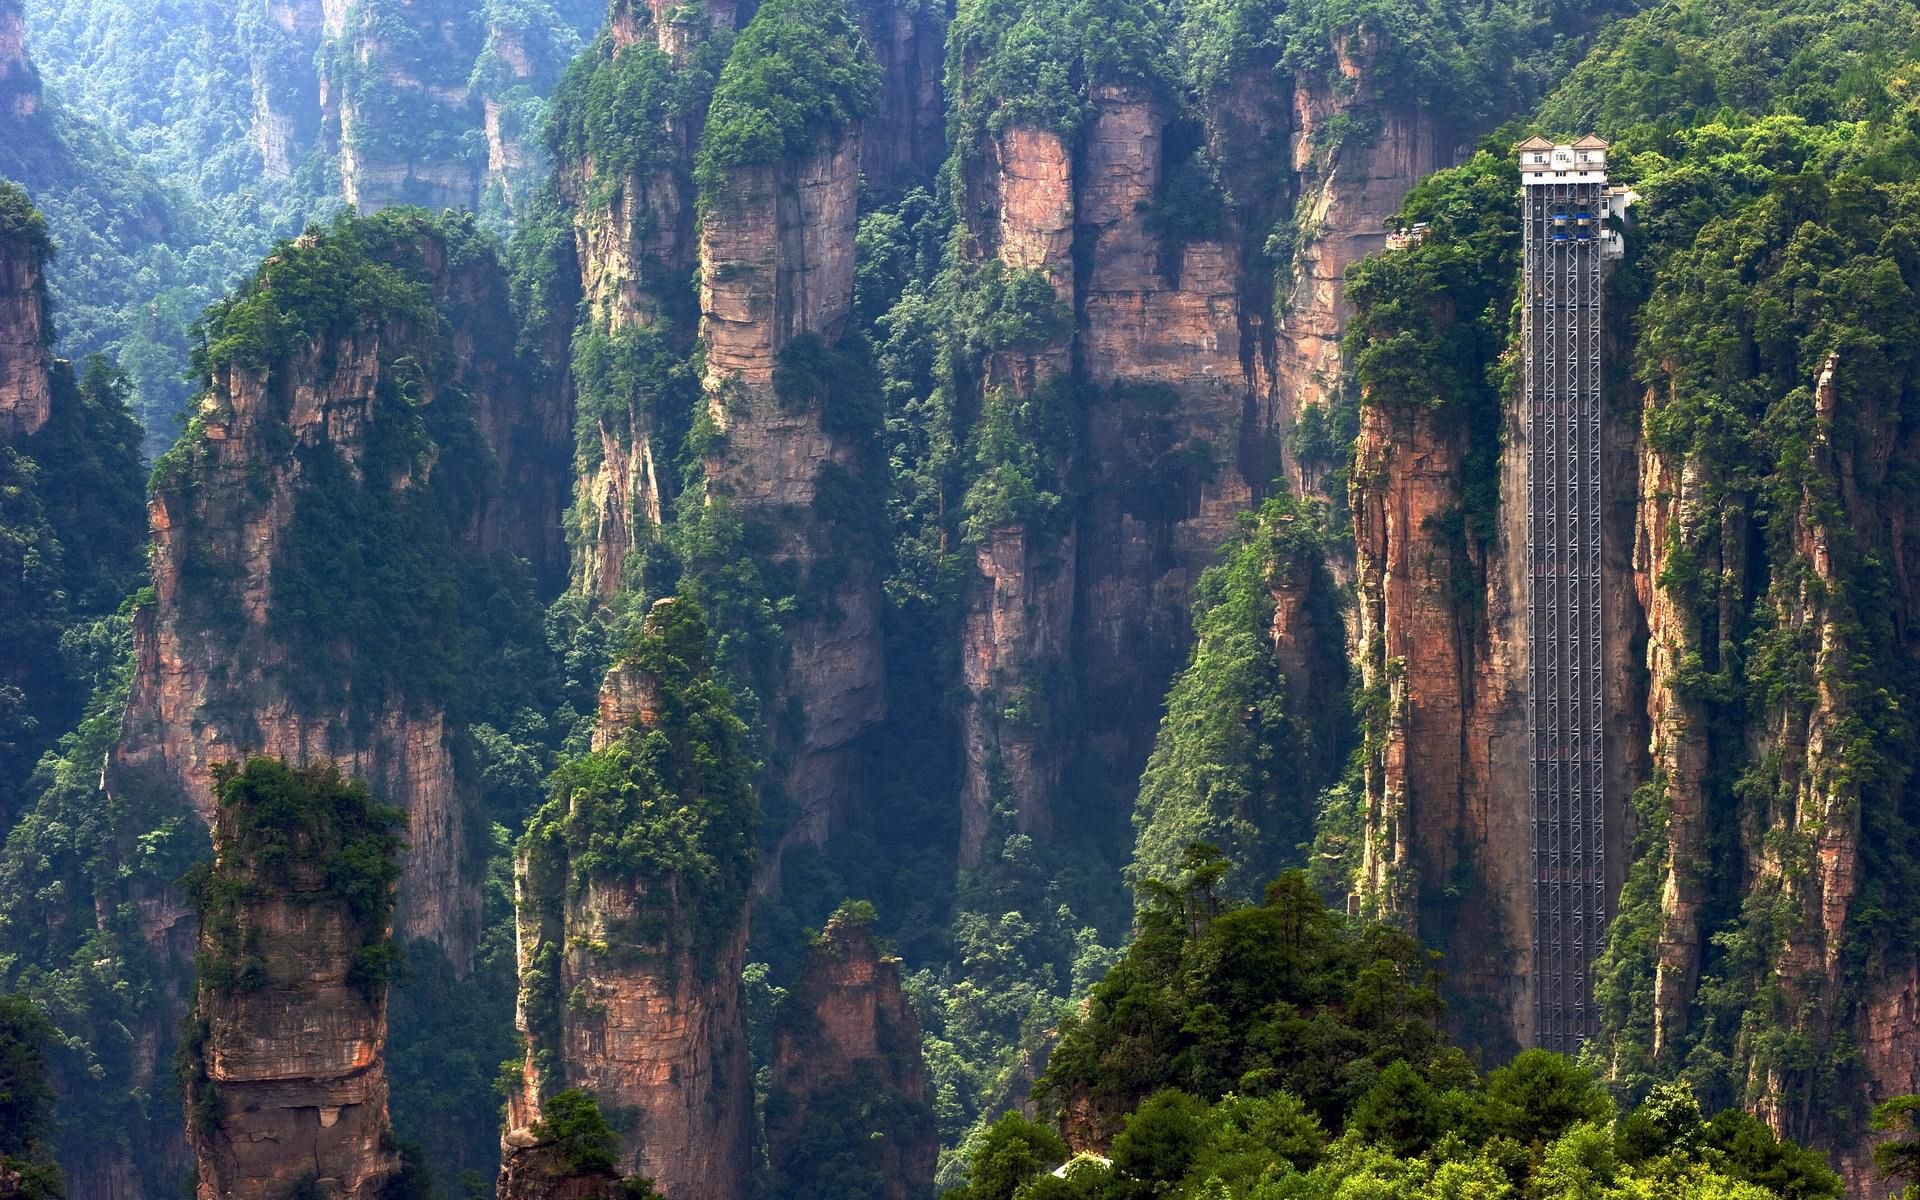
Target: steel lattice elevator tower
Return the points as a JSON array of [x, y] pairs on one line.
[[1565, 202]]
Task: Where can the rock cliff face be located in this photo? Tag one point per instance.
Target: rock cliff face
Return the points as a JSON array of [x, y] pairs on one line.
[[846, 1062], [402, 107], [1819, 882], [1017, 629], [19, 82], [773, 249], [282, 42], [905, 139], [531, 1169], [288, 1033], [630, 978], [636, 245], [1446, 835], [1152, 224], [1443, 655], [776, 270], [1181, 433], [654, 1029], [232, 659], [1349, 190], [402, 94], [26, 359]]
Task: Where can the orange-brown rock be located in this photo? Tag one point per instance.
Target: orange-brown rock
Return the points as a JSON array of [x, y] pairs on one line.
[[215, 678], [1446, 778], [776, 254], [1347, 193], [1806, 745], [1180, 429], [531, 1169], [776, 262], [847, 1065], [19, 83], [631, 981], [1018, 622], [289, 1077], [1442, 641], [26, 357], [1017, 627], [655, 1029]]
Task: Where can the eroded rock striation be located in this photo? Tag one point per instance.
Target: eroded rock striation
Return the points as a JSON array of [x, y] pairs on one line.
[[287, 1036], [776, 252], [26, 334], [1188, 359], [848, 1073], [632, 887], [310, 529]]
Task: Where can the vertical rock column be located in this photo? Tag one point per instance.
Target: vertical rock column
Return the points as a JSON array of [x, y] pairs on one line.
[[1180, 437], [636, 247], [220, 668], [19, 83], [26, 359], [282, 39], [776, 262], [848, 1073], [1671, 502], [630, 959], [1445, 835], [398, 96], [1017, 629], [1805, 746], [1348, 193], [904, 141], [287, 1037]]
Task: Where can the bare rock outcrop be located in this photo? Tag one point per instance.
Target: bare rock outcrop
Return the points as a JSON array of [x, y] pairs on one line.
[[1806, 743], [630, 967], [26, 356], [904, 141], [847, 1068], [1181, 432], [777, 259], [532, 1169], [635, 249], [1017, 627], [231, 660], [287, 1037], [1348, 192]]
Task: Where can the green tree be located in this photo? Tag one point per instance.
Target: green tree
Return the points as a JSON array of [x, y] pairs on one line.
[[571, 1123], [1162, 1138], [26, 1103], [1539, 1096], [1898, 1157], [1006, 1155], [1400, 1111]]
